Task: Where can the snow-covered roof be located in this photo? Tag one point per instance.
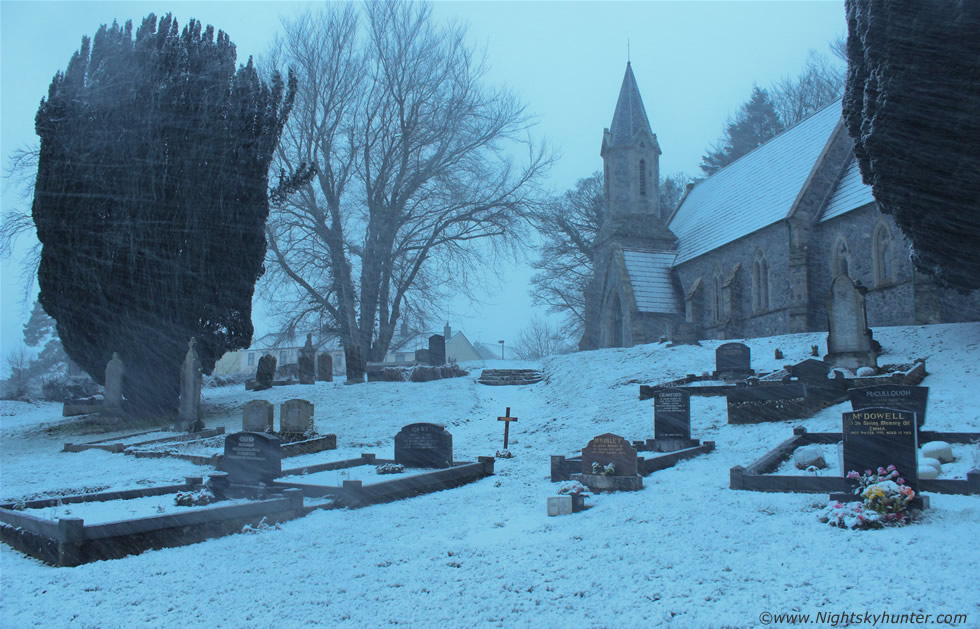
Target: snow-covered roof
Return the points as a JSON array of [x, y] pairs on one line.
[[851, 193], [649, 273], [754, 191]]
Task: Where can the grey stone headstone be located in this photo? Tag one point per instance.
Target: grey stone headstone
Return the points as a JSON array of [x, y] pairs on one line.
[[190, 388], [424, 445], [900, 396], [324, 367], [671, 414], [849, 338], [251, 458], [306, 363], [610, 449], [878, 437], [733, 358], [114, 372], [296, 417], [355, 364], [257, 416]]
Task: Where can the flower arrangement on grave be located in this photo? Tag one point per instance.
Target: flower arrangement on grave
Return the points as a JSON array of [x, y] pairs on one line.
[[885, 499], [603, 470], [504, 454], [573, 488], [196, 498], [390, 468]]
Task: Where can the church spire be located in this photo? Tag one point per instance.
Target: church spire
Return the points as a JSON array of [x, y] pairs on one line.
[[630, 117]]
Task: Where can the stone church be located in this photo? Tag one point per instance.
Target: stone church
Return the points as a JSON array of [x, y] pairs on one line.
[[753, 249]]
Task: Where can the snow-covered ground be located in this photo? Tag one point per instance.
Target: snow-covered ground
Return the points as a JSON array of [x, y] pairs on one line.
[[686, 551]]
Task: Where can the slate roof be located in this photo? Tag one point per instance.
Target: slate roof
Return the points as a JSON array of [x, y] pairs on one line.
[[756, 190], [650, 277], [851, 193], [630, 116]]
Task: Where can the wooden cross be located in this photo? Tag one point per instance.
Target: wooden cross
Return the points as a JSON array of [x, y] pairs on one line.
[[507, 419]]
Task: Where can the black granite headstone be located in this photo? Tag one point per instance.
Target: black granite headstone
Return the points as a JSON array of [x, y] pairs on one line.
[[671, 414], [733, 358], [900, 396], [610, 449], [878, 437], [324, 368], [355, 364], [251, 457], [811, 371], [424, 445], [437, 350], [766, 403]]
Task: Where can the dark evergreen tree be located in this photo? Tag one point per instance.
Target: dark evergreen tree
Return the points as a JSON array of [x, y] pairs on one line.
[[912, 105], [151, 200], [755, 123]]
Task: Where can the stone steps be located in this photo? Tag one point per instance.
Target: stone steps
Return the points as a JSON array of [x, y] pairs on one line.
[[510, 377]]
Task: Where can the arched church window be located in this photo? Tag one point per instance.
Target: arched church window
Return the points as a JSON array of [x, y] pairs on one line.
[[643, 178], [760, 282], [717, 301], [842, 258], [883, 253]]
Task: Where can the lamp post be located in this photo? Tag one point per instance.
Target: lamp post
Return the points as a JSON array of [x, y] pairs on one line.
[[501, 349]]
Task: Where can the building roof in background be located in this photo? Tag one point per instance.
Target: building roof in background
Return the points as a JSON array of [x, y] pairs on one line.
[[754, 191], [851, 193], [650, 277]]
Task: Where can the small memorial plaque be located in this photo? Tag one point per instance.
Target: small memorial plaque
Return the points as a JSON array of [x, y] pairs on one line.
[[733, 357], [898, 396], [671, 414], [424, 445], [878, 437], [610, 449], [251, 457]]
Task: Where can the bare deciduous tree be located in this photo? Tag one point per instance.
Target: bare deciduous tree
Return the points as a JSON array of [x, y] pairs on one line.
[[540, 339], [411, 177], [819, 83]]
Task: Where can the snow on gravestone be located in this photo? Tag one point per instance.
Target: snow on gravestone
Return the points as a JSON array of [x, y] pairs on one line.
[[900, 396], [424, 445], [257, 416], [251, 457], [878, 437]]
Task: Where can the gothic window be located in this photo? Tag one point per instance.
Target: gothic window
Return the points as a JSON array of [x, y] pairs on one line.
[[883, 253], [842, 258], [717, 301], [643, 178], [760, 282]]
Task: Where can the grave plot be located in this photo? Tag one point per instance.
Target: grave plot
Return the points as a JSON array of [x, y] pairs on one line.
[[138, 439], [121, 523], [775, 471], [732, 367]]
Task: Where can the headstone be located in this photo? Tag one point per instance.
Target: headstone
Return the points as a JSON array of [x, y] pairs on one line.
[[422, 356], [849, 340], [190, 389], [257, 416], [114, 371], [733, 358], [355, 364], [610, 449], [424, 445], [900, 396], [767, 403], [671, 414], [251, 458], [811, 371], [265, 374], [307, 362], [324, 367], [437, 350], [878, 437], [296, 418]]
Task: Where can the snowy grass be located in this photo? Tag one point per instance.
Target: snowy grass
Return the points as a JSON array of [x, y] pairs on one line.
[[685, 551]]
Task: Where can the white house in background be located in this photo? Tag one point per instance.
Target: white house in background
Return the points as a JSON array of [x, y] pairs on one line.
[[286, 353]]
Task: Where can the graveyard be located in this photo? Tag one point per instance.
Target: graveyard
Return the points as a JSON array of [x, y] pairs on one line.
[[677, 545]]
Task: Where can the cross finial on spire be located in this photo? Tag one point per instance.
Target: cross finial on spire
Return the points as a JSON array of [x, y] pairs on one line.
[[627, 50]]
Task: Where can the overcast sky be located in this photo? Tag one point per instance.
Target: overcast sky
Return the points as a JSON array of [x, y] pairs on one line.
[[695, 63]]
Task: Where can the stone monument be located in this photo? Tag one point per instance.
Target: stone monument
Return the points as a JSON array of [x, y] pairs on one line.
[[265, 374], [114, 372], [190, 390], [307, 362], [849, 342], [324, 367]]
